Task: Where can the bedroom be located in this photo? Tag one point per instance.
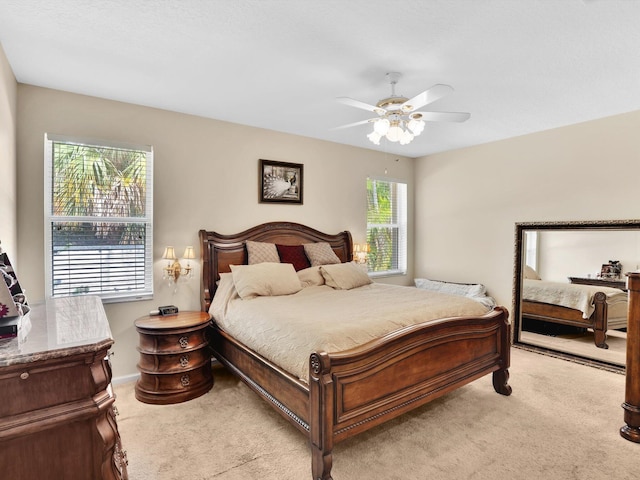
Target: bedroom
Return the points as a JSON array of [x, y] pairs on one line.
[[464, 203]]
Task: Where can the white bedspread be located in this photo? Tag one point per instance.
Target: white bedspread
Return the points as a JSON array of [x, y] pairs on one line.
[[578, 297], [287, 329]]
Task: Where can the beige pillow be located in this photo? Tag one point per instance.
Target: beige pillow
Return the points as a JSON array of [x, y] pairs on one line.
[[320, 253], [530, 273], [265, 279], [260, 252], [311, 277], [345, 276]]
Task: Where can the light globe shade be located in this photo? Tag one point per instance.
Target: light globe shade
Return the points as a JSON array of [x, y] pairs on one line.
[[374, 137], [381, 126], [416, 126], [406, 137], [394, 133]]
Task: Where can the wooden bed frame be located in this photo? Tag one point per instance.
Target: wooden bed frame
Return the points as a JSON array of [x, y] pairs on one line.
[[598, 321], [352, 391]]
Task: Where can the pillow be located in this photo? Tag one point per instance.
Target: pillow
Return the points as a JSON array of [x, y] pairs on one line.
[[293, 254], [260, 252], [320, 253], [265, 279], [474, 291], [311, 277], [464, 289], [345, 276], [530, 273]]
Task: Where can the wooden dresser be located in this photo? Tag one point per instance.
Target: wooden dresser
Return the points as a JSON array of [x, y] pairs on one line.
[[175, 358], [57, 414]]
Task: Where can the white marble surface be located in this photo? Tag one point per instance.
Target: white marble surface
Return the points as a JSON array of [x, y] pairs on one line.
[[57, 328]]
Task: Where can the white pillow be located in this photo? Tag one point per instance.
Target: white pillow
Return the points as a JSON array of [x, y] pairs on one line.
[[260, 252], [320, 253], [310, 277], [466, 290], [345, 276], [265, 279], [530, 273]]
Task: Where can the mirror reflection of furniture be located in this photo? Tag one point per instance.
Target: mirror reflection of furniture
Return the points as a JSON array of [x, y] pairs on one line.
[[557, 251], [631, 405]]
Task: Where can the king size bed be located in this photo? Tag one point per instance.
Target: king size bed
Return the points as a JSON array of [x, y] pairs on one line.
[[338, 376]]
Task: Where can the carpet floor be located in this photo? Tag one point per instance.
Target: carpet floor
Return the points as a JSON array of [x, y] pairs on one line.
[[561, 422]]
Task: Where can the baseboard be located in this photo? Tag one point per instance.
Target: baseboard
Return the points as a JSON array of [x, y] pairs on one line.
[[125, 379]]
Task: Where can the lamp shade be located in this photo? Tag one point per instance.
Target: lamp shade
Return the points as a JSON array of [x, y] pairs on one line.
[[189, 253], [169, 253]]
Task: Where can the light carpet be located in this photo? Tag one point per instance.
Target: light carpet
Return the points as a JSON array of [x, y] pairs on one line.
[[561, 422]]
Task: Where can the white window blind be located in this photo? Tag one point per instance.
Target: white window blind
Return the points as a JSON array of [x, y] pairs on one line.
[[387, 227], [98, 219]]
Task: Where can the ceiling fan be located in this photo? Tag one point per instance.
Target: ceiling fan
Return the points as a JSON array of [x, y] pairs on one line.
[[398, 117]]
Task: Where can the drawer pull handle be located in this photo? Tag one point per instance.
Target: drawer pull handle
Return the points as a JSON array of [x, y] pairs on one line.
[[24, 375], [184, 380], [184, 342], [184, 361]]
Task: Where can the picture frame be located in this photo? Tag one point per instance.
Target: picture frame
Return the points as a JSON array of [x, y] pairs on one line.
[[280, 182]]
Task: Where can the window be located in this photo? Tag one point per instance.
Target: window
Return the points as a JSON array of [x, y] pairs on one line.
[[531, 248], [387, 227], [98, 219]]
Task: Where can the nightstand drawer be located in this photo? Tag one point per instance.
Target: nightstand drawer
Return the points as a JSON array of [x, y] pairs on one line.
[[172, 342], [173, 362], [174, 387]]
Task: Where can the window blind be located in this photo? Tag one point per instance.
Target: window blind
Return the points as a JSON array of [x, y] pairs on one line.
[[387, 226], [98, 215]]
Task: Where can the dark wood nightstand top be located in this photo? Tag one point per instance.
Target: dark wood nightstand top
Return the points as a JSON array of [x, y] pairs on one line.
[[178, 320], [599, 282]]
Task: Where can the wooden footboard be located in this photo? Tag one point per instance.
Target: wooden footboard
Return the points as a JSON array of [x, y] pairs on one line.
[[353, 391], [568, 316]]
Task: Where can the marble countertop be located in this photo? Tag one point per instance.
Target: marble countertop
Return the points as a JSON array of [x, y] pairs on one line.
[[57, 328]]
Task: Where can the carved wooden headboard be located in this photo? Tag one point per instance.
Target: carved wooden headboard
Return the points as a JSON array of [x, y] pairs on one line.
[[219, 251]]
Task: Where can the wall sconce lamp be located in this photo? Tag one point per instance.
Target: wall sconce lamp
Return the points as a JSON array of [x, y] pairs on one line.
[[361, 252], [174, 270]]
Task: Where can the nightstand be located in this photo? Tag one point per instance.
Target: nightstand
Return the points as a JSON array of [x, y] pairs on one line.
[[175, 359]]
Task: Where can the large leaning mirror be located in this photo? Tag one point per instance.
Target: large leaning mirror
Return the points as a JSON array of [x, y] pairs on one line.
[[570, 296]]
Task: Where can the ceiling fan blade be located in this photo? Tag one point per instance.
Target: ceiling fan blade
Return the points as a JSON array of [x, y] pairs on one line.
[[358, 104], [361, 122], [442, 116], [428, 96]]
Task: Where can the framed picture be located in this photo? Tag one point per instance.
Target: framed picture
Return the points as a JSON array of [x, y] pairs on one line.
[[280, 182]]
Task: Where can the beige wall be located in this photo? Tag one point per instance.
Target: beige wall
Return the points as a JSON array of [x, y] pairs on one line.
[[468, 201], [8, 175], [205, 176]]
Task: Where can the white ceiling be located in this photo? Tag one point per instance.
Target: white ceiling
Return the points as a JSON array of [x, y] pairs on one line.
[[518, 66]]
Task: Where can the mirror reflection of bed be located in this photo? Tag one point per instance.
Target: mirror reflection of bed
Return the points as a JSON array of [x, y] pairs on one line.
[[565, 300]]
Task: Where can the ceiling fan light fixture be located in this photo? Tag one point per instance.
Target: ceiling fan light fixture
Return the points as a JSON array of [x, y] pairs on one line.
[[381, 126], [374, 137]]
